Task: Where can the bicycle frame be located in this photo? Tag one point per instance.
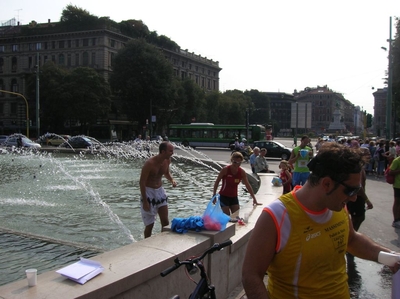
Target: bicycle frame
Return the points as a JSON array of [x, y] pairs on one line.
[[203, 290]]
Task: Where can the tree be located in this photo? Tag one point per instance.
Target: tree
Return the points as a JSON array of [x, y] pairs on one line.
[[142, 78], [89, 97], [76, 18], [80, 95]]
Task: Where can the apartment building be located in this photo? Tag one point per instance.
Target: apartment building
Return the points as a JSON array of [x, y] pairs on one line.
[[23, 49]]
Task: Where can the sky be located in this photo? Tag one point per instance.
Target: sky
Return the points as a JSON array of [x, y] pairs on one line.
[[271, 46]]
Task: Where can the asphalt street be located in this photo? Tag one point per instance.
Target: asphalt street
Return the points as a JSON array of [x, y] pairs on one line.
[[372, 280]]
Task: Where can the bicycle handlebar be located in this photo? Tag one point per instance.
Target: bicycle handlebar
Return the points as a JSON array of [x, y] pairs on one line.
[[178, 263]]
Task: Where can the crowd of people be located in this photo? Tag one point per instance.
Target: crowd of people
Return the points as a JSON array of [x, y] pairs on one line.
[[302, 238]]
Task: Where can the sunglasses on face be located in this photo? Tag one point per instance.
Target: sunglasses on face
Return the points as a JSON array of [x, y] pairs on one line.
[[237, 162], [350, 191]]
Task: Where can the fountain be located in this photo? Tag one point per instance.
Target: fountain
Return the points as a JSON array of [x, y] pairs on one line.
[[56, 207]]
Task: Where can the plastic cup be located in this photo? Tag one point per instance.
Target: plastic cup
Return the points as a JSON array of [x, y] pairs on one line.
[[31, 276], [246, 217], [303, 153]]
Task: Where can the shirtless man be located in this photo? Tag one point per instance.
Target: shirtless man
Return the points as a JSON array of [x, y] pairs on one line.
[[152, 190]]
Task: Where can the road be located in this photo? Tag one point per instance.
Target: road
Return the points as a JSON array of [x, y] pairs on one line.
[[366, 279]]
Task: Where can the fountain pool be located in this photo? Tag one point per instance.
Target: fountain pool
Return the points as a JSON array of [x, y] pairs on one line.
[[81, 204]]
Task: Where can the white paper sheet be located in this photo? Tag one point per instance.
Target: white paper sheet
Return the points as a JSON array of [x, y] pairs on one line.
[[81, 271]]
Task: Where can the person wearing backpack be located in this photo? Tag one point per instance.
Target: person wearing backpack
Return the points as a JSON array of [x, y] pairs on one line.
[[395, 170]]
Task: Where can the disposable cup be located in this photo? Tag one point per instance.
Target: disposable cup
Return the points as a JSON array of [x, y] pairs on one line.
[[31, 276], [246, 217]]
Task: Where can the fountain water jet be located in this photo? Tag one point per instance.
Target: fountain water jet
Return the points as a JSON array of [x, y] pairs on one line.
[[89, 200]]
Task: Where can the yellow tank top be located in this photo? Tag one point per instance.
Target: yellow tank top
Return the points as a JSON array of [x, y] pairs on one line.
[[312, 264]]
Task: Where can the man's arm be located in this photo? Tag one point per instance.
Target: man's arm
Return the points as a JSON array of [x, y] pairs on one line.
[[293, 158], [259, 254], [168, 175], [362, 246]]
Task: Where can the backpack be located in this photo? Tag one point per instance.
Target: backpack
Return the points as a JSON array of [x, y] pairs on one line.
[[389, 178]]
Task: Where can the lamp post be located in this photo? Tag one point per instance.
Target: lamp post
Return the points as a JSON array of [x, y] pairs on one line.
[[37, 97], [389, 89], [247, 123], [297, 123], [27, 108]]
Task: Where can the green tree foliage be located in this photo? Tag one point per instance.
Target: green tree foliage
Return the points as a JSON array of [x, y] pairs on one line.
[[260, 112], [76, 18], [79, 95], [141, 77], [134, 28], [232, 107]]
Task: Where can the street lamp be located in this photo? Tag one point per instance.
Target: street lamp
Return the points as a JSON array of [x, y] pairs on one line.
[[389, 89], [247, 123], [297, 123], [37, 97]]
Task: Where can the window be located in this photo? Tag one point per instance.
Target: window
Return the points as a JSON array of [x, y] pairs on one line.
[[30, 62], [2, 87], [202, 81], [38, 46], [93, 58], [53, 58], [46, 45], [77, 43], [61, 59], [61, 44], [112, 43], [32, 47], [14, 85], [69, 60], [13, 108], [76, 59], [93, 41], [14, 64], [15, 48], [1, 65], [69, 44], [2, 48], [53, 44], [85, 42], [1, 107], [85, 59]]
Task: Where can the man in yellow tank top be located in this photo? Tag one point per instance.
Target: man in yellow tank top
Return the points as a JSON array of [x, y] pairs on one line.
[[302, 238]]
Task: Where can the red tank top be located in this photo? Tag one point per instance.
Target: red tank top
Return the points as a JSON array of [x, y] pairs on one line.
[[230, 183]]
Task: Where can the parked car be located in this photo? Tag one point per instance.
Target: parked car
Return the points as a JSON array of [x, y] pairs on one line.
[[274, 149], [12, 140], [81, 142], [53, 139], [3, 138]]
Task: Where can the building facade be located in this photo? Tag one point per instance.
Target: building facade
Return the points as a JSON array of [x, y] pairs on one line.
[[23, 52], [324, 102]]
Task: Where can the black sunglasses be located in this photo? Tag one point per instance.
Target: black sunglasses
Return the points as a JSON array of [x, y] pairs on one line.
[[350, 191]]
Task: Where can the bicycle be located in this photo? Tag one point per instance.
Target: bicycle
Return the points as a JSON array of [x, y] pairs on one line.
[[204, 289]]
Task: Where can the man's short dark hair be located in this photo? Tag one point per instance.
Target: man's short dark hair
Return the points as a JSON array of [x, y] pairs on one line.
[[304, 137], [163, 146], [335, 161]]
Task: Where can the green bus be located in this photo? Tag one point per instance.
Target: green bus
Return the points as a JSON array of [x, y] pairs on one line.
[[210, 135]]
